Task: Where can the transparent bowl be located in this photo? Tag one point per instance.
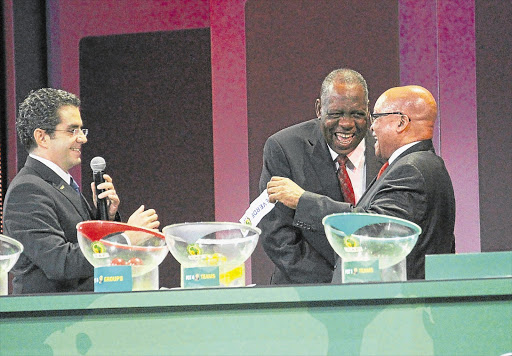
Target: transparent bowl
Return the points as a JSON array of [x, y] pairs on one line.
[[10, 251], [201, 244], [109, 243], [366, 237]]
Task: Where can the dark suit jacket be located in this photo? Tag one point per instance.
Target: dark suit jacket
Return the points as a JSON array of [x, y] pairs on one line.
[[41, 211], [300, 153], [415, 187]]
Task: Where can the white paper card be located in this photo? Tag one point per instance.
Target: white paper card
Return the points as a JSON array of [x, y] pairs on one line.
[[257, 210]]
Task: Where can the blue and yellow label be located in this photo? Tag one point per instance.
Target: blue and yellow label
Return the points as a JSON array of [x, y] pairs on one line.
[[113, 279], [361, 271], [200, 277]]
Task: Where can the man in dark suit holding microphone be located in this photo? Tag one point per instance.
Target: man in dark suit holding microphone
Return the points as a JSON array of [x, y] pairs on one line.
[[414, 184], [43, 204]]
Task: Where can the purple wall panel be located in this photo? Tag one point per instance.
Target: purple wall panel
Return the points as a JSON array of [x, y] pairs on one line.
[[437, 51], [418, 48], [229, 103], [457, 92], [230, 139], [69, 21], [69, 24]]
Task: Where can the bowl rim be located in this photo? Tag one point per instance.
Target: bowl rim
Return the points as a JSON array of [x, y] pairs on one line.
[[119, 227], [219, 223], [394, 218], [14, 242]]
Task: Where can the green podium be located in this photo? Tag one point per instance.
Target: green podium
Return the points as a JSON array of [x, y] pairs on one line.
[[449, 317]]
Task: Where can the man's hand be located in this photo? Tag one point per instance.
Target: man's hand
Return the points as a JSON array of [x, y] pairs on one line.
[[109, 193], [285, 191], [147, 219]]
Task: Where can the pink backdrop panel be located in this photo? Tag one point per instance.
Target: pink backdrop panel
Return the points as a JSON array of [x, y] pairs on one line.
[[229, 99], [229, 104], [437, 51], [68, 24], [418, 48], [70, 21], [457, 92]]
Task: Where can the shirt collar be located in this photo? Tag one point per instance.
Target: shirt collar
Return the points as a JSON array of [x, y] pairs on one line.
[[66, 177], [356, 157], [400, 150]]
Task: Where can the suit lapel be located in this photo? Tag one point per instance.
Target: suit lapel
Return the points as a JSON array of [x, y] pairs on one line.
[[420, 146], [372, 163], [323, 165], [374, 185], [325, 168], [81, 206]]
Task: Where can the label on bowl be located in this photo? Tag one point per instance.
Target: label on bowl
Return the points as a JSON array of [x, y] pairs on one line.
[[199, 277], [101, 255], [361, 271], [113, 279]]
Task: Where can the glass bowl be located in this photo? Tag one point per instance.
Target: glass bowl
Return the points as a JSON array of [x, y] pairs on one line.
[[201, 244], [366, 237], [10, 250], [110, 243]]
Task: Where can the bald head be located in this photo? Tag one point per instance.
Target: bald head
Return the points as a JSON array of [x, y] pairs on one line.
[[415, 102], [419, 110]]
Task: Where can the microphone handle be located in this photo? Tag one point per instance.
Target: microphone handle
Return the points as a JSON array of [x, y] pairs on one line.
[[101, 204]]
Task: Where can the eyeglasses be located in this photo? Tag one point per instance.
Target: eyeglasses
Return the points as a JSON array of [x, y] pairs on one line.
[[374, 117], [75, 132]]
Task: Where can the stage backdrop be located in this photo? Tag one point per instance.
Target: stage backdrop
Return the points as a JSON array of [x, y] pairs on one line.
[[291, 47], [147, 101], [437, 49]]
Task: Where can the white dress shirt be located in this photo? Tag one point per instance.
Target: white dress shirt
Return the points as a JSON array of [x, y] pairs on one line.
[[66, 177], [356, 168]]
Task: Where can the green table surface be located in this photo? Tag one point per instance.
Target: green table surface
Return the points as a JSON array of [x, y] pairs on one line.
[[464, 317]]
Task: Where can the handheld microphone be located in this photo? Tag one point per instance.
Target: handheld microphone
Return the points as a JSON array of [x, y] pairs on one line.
[[98, 170]]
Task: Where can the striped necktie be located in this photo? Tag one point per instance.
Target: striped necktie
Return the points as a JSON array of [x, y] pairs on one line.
[[345, 183]]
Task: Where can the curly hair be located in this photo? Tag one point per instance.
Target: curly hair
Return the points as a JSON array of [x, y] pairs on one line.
[[40, 110], [343, 75]]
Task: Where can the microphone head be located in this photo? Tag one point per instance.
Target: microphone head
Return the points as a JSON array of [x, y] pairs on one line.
[[98, 164]]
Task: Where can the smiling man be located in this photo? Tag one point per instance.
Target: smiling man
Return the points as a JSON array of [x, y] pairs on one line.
[[414, 184], [43, 204], [331, 156]]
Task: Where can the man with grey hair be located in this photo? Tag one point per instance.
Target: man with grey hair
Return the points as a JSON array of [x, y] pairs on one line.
[[332, 156], [43, 204], [413, 184]]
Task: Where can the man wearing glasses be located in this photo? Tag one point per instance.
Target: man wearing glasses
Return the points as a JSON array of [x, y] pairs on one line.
[[43, 204], [331, 156], [413, 185]]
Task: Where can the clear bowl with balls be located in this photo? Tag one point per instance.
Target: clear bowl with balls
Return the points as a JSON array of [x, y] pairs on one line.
[[371, 239], [201, 245], [110, 243]]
